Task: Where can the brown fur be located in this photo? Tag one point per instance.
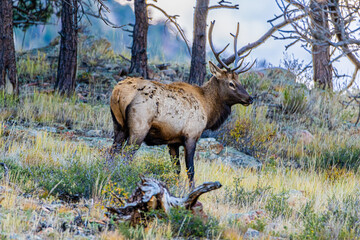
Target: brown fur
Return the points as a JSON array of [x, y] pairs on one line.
[[175, 114]]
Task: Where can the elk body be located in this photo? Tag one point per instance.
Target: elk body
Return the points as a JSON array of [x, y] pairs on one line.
[[175, 114]]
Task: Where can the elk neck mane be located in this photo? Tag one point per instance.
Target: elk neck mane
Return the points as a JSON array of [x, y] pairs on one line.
[[217, 110]]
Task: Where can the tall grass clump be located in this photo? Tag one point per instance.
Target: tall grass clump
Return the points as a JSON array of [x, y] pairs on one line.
[[31, 67], [294, 100]]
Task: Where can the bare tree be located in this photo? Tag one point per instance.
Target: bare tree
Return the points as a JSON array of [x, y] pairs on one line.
[[322, 68], [327, 32], [198, 55], [7, 49]]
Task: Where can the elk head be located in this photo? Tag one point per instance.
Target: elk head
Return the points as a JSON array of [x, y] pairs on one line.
[[230, 88]]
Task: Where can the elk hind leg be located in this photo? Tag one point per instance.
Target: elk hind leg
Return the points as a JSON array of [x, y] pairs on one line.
[[174, 154], [190, 146], [136, 136], [120, 136]]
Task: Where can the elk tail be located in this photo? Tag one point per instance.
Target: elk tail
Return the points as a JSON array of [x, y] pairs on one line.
[[116, 122]]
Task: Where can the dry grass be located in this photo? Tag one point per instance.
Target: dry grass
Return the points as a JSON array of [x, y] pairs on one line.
[[24, 149]]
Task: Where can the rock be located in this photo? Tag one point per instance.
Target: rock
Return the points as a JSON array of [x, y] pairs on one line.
[[93, 133], [169, 72], [163, 66], [110, 66], [48, 231], [251, 234], [296, 199], [304, 136], [49, 129], [299, 135], [239, 159], [246, 218], [211, 149], [209, 144]]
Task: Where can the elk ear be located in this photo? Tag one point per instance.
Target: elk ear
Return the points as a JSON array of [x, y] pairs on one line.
[[216, 71]]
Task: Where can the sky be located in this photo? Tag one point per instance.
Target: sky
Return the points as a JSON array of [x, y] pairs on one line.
[[252, 16]]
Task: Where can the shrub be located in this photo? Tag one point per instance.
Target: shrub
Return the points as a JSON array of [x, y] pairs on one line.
[[333, 154], [241, 197], [75, 178], [277, 205], [251, 132], [338, 221], [185, 224], [343, 156], [254, 83], [152, 165]]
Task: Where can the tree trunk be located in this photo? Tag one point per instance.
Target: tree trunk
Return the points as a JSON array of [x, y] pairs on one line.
[[321, 49], [139, 47], [66, 76], [8, 78], [198, 55]]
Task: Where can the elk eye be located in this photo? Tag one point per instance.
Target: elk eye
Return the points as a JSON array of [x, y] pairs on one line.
[[231, 84]]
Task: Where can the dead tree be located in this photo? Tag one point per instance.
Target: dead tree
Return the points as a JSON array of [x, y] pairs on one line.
[[154, 195], [67, 65], [327, 31], [198, 54], [322, 69], [8, 78]]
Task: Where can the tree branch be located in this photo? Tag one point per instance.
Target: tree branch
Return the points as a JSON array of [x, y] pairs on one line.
[[172, 19], [224, 6], [262, 39]]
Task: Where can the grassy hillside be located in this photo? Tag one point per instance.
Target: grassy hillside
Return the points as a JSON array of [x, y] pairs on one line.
[[61, 181]]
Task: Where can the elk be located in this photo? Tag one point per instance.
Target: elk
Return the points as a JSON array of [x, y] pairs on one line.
[[176, 114]]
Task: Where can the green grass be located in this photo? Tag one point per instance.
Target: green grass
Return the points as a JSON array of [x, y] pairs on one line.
[[308, 190]]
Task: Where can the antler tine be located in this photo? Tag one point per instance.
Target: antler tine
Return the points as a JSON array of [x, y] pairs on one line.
[[244, 69], [235, 45], [216, 54], [242, 60]]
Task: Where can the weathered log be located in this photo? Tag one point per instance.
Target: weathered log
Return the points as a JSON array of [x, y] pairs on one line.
[[152, 194]]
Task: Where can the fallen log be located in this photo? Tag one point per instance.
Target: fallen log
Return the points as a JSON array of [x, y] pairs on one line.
[[152, 194]]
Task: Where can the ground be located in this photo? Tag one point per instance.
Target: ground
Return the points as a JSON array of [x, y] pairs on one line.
[[302, 183]]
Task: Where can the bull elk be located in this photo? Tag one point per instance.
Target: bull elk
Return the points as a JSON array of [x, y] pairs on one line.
[[176, 114]]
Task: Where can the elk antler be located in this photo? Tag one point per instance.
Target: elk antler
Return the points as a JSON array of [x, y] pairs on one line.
[[217, 54], [237, 67]]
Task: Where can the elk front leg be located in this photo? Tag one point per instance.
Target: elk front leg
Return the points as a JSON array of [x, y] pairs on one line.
[[190, 145], [174, 153]]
